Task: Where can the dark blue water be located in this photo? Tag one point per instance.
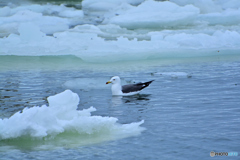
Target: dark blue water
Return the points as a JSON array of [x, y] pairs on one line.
[[186, 117]]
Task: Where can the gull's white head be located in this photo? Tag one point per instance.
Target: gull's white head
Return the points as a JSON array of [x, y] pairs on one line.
[[116, 85], [114, 80]]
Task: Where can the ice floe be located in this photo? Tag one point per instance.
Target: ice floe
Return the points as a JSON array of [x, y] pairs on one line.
[[62, 116]]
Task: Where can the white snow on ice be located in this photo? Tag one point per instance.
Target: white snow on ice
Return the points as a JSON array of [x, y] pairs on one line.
[[62, 116], [109, 31]]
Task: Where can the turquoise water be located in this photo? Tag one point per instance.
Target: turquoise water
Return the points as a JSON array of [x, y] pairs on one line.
[[190, 110]]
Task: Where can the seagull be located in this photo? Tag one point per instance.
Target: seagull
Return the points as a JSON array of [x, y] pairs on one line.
[[126, 90]]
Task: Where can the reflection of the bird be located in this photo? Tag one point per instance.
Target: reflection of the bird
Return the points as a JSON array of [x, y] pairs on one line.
[[118, 100]]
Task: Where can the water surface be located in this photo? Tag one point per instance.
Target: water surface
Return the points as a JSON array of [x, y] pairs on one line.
[[188, 113]]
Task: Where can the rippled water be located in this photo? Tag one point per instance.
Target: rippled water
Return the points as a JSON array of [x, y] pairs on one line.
[[190, 48], [189, 110]]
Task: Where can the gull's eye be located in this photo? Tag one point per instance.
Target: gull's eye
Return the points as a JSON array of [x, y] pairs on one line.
[[114, 79]]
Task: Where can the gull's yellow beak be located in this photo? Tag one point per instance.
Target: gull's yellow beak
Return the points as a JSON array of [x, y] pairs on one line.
[[108, 82]]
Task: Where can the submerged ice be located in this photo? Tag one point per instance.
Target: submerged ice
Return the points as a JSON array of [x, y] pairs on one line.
[[62, 116], [110, 31]]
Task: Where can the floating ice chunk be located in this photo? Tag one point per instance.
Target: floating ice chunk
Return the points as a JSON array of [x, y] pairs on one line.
[[216, 12], [100, 6], [61, 116], [47, 9], [5, 11], [227, 17], [235, 4], [47, 24], [30, 32], [210, 6], [67, 98], [152, 14], [71, 14], [106, 5], [205, 6], [110, 42], [100, 10], [6, 29], [10, 24], [88, 42], [218, 40], [86, 28], [108, 31]]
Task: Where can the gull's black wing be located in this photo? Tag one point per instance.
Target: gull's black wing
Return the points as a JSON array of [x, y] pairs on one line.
[[135, 87]]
